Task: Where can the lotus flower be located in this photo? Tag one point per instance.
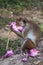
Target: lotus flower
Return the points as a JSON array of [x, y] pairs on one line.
[[33, 52], [15, 27], [8, 53]]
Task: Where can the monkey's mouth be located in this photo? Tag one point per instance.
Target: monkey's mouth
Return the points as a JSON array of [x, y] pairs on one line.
[[14, 26]]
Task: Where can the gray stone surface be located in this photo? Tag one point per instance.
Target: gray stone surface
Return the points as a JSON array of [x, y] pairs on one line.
[[17, 60]]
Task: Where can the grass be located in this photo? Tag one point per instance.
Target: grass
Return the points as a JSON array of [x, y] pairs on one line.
[[20, 4], [13, 44]]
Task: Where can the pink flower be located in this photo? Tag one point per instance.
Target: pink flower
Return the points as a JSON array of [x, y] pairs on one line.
[[24, 59], [33, 52], [12, 23], [16, 28], [8, 53], [20, 28], [13, 26]]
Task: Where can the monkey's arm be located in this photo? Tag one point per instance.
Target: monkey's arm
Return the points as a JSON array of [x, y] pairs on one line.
[[17, 32]]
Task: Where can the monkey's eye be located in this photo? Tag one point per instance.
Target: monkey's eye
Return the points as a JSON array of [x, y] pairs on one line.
[[24, 21]]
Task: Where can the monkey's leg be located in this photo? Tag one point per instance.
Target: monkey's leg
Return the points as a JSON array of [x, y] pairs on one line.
[[27, 45]]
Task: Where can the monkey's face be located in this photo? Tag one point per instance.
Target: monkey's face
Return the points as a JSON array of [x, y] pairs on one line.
[[19, 25], [23, 22]]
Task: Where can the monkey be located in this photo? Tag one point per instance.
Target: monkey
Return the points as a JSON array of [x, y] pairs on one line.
[[30, 34]]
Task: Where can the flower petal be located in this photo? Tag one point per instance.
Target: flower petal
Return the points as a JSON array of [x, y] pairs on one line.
[[13, 26], [24, 59], [33, 52]]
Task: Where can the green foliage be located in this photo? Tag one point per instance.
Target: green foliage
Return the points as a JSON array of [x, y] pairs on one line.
[[19, 9], [24, 3], [3, 3], [13, 44], [2, 47], [2, 50]]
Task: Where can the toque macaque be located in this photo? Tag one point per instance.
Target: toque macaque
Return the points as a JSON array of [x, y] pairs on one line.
[[30, 33]]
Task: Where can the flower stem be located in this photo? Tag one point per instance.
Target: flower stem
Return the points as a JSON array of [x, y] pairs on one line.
[[8, 40]]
